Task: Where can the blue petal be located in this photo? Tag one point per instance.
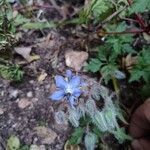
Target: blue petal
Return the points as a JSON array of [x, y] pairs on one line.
[[69, 74], [83, 84], [72, 101], [58, 95], [75, 81], [77, 92], [60, 82]]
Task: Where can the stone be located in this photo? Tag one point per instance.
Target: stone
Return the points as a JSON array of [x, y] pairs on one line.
[[24, 102], [1, 111], [42, 147], [46, 135], [30, 94], [34, 147], [14, 93], [75, 59]]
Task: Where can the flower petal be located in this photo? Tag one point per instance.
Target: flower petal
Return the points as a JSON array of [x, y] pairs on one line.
[[68, 74], [60, 82], [77, 92], [58, 95], [75, 81], [72, 101]]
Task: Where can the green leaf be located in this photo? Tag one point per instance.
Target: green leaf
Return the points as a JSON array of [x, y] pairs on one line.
[[74, 117], [25, 147], [121, 27], [19, 20], [11, 72], [97, 132], [39, 25], [76, 137], [135, 75], [90, 141], [94, 65], [13, 143], [139, 6], [121, 136], [99, 120]]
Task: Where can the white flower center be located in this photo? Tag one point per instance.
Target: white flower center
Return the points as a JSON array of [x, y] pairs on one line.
[[69, 89]]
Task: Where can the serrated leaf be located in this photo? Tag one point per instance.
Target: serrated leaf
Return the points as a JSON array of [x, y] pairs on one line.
[[74, 117], [139, 6], [94, 65], [90, 141], [135, 75], [99, 120], [110, 117], [76, 136], [91, 107], [120, 135]]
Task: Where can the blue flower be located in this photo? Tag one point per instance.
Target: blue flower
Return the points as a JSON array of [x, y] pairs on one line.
[[68, 87]]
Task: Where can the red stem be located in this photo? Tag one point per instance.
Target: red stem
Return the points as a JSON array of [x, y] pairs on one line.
[[129, 2], [139, 19]]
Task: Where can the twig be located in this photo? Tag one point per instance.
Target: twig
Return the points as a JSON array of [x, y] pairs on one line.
[[128, 19], [113, 15], [127, 32], [34, 6]]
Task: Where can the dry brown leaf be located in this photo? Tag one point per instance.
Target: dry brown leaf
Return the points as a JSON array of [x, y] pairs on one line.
[[25, 53], [42, 76], [71, 147], [75, 59], [146, 37], [129, 61]]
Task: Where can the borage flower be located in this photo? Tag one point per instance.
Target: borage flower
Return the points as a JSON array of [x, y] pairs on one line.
[[68, 87]]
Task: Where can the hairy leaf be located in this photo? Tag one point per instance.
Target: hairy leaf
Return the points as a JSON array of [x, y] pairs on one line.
[[120, 135], [90, 141], [74, 117]]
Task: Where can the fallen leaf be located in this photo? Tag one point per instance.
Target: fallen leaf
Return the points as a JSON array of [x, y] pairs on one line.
[[71, 147], [76, 59], [129, 61], [42, 76], [146, 37], [25, 53]]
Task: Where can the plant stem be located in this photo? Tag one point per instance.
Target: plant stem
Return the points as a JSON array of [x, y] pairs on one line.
[[127, 32], [116, 87]]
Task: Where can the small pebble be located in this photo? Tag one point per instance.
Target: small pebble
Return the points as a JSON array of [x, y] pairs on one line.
[[14, 93], [1, 111], [30, 94]]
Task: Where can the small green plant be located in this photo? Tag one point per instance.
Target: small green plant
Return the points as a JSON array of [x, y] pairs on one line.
[[6, 25], [107, 60], [92, 122], [142, 69], [13, 143], [98, 10], [10, 71]]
